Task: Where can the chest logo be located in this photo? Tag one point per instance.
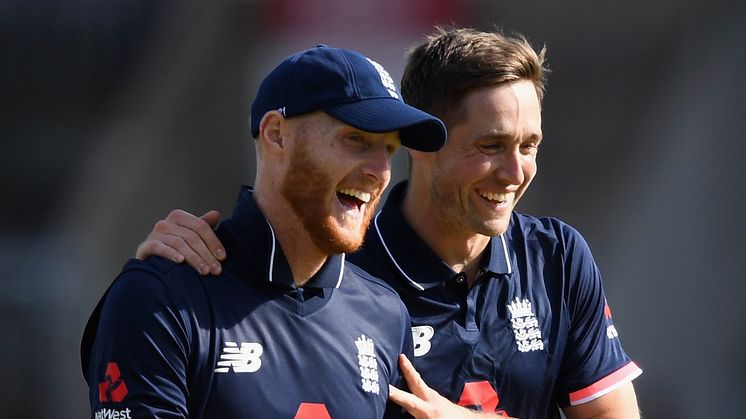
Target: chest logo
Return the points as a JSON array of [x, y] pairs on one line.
[[244, 358], [525, 326], [366, 356], [421, 336]]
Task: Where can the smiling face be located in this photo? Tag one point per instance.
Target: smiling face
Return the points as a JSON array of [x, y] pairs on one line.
[[335, 178], [489, 161]]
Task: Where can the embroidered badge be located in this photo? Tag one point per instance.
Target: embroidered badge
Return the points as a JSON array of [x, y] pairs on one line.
[[525, 326], [366, 355]]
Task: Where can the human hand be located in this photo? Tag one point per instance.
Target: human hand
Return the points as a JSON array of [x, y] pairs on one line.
[[182, 236], [424, 402]]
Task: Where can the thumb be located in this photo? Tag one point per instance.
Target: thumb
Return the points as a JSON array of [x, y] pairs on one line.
[[212, 218]]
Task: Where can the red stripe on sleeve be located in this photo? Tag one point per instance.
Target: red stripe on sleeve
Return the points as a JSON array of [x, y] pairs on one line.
[[605, 385]]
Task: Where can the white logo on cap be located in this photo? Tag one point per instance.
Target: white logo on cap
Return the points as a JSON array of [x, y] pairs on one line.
[[386, 79]]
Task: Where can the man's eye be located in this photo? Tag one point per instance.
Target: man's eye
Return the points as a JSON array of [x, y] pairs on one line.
[[355, 139], [492, 148]]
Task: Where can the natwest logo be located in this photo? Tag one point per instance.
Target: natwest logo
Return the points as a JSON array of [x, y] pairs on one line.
[[112, 389], [113, 414]]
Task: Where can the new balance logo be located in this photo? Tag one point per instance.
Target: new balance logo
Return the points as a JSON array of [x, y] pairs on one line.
[[422, 336], [246, 358]]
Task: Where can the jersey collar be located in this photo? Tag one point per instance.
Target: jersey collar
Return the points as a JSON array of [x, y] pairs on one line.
[[255, 254], [415, 261]]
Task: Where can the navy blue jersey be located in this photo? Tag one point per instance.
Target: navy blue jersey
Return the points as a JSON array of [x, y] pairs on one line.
[[532, 334], [166, 342]]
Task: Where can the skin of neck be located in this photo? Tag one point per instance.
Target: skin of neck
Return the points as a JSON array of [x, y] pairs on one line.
[[458, 247], [303, 256]]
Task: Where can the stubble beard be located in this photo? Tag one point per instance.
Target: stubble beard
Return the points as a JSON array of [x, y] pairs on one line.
[[303, 187], [454, 216]]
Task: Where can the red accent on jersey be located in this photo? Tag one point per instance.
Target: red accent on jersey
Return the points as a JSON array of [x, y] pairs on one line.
[[607, 311], [312, 411], [606, 384], [480, 394], [113, 388]]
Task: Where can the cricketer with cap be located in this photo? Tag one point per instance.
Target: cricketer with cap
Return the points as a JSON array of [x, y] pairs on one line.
[[279, 333], [509, 314]]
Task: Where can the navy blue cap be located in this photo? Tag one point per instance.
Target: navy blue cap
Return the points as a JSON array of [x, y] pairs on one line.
[[349, 87]]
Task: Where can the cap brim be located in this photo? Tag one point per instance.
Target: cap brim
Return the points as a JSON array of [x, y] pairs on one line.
[[417, 129]]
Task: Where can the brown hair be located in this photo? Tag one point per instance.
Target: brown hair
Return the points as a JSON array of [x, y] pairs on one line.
[[451, 62]]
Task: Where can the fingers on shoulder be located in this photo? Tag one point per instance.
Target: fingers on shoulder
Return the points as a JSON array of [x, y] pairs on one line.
[[186, 219], [158, 248]]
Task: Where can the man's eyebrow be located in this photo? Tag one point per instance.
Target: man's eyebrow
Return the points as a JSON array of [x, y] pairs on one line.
[[502, 135]]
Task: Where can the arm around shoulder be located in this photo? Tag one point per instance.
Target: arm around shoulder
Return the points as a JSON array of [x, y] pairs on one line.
[[184, 237]]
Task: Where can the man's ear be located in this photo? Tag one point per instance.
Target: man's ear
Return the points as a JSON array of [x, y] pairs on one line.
[[419, 155], [270, 130], [420, 161]]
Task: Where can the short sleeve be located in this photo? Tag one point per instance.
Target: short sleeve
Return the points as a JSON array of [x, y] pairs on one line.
[[138, 350], [594, 362]]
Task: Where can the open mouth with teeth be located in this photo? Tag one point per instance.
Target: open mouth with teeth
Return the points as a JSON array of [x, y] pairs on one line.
[[498, 197], [353, 198]]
